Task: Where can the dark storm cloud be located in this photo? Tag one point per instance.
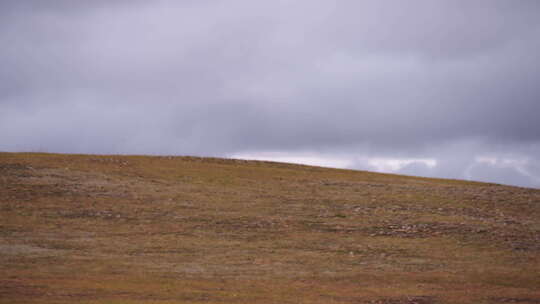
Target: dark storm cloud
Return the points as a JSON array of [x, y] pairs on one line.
[[452, 81]]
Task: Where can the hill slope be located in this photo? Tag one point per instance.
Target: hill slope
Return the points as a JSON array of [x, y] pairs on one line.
[[135, 229]]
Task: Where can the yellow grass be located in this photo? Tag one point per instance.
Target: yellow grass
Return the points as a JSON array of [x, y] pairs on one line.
[[138, 229]]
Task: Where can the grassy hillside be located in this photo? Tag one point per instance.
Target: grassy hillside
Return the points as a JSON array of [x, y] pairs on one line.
[[136, 229]]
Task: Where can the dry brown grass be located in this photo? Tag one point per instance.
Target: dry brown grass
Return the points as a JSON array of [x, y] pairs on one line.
[[136, 229]]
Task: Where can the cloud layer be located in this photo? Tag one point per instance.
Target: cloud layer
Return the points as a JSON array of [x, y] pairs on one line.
[[455, 82]]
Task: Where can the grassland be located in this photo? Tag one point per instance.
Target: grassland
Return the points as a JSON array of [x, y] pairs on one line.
[[136, 229]]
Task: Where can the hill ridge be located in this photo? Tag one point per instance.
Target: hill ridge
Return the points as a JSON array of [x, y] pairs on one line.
[[161, 229]]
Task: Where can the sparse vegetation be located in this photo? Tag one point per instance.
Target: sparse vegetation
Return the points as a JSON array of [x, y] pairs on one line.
[[135, 229]]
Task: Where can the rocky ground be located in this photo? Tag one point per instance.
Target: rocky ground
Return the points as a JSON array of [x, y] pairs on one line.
[[135, 229]]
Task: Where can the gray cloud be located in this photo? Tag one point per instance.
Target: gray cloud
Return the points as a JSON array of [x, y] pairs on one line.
[[445, 80]]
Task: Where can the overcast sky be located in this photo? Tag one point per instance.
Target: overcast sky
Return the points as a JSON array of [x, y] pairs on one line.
[[422, 87]]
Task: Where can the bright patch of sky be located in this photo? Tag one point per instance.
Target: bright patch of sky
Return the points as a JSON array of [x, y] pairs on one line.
[[482, 168], [297, 158]]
